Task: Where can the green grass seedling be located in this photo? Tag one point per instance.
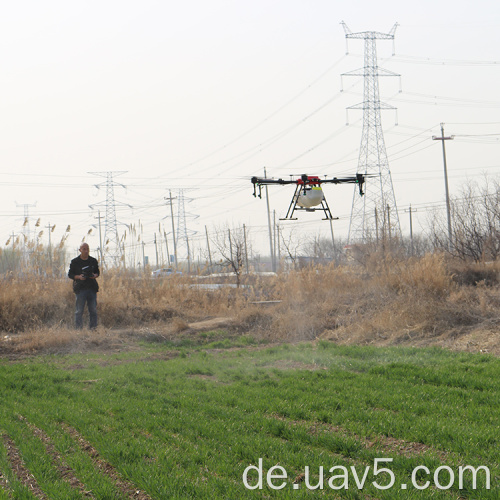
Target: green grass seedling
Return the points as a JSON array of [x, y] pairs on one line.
[[188, 426]]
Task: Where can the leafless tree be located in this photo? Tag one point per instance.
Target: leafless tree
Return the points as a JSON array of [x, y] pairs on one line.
[[232, 247], [417, 246], [324, 249], [475, 221], [291, 244]]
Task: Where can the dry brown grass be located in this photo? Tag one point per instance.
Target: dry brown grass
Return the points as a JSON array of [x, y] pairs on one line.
[[32, 302], [57, 340], [391, 301]]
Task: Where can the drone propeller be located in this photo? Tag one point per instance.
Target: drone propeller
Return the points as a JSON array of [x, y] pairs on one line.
[[309, 180]]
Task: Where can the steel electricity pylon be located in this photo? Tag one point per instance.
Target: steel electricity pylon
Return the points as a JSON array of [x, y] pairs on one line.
[[373, 216], [111, 251], [26, 223], [183, 232]]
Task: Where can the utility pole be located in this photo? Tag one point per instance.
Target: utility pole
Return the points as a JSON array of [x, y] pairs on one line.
[[410, 210], [188, 254], [246, 251], [273, 264], [156, 251], [50, 228], [277, 245], [333, 240], [100, 236], [448, 210], [230, 245], [166, 244], [170, 199], [276, 263], [208, 247]]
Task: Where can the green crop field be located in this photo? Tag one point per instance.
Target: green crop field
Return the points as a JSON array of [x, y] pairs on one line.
[[251, 421]]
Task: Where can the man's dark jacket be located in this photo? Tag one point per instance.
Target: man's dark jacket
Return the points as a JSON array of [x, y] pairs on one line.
[[80, 266]]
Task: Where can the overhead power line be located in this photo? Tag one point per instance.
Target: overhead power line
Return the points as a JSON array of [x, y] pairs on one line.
[[267, 118], [442, 62]]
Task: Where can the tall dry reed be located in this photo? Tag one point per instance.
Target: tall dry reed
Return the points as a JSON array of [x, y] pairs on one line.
[[389, 298]]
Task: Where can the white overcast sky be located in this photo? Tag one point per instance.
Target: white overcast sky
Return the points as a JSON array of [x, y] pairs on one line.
[[202, 95]]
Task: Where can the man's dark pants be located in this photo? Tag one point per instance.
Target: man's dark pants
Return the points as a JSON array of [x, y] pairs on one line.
[[88, 297]]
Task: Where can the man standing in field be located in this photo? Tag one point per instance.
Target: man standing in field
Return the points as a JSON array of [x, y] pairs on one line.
[[84, 270]]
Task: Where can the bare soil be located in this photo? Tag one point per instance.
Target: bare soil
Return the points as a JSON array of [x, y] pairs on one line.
[[482, 338], [20, 470]]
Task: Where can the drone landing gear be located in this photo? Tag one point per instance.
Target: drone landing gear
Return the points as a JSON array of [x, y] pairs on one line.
[[326, 209], [293, 206]]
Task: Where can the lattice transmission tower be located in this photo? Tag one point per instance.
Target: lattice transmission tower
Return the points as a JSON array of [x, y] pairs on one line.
[[183, 232], [111, 249], [373, 216], [26, 224]]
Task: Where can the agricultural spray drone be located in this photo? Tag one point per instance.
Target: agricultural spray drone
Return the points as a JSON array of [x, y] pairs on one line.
[[308, 194]]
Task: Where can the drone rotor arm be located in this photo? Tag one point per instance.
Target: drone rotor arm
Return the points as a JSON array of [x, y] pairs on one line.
[[264, 182], [359, 179], [339, 180]]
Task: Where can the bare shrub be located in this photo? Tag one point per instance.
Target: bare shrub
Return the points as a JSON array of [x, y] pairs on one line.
[[474, 273], [254, 319], [179, 325], [313, 299], [426, 276], [475, 223]]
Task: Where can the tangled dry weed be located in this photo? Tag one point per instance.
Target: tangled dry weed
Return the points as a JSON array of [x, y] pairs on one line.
[[413, 301]]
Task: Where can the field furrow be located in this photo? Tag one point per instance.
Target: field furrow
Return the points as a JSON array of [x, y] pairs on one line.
[[66, 472], [19, 468], [127, 488]]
